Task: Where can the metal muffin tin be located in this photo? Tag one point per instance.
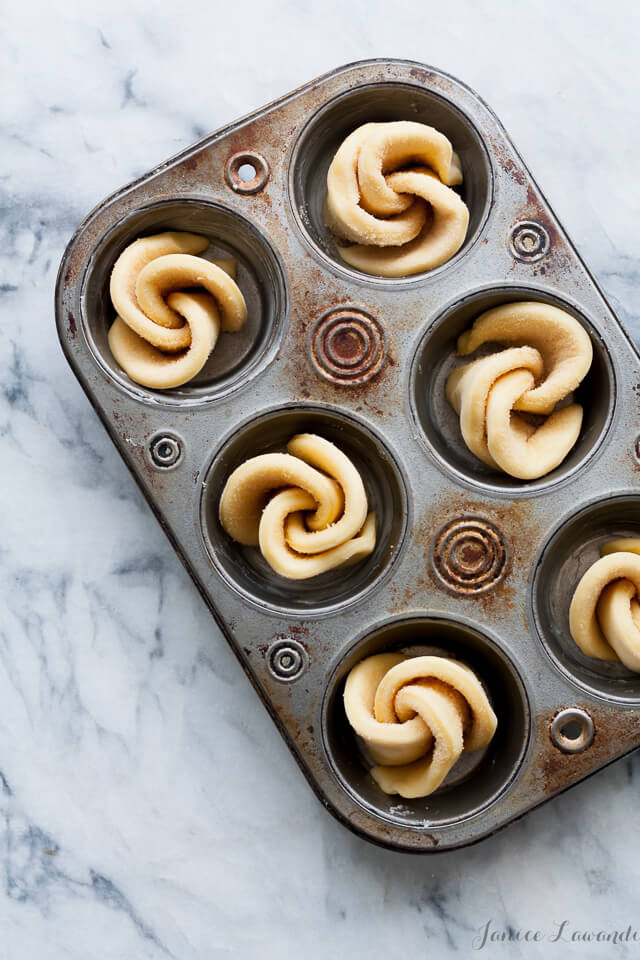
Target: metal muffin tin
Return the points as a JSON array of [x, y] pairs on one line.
[[467, 561]]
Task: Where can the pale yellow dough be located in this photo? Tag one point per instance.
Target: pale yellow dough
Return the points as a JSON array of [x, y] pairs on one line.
[[548, 353], [164, 335], [389, 194], [604, 617], [416, 715], [306, 509]]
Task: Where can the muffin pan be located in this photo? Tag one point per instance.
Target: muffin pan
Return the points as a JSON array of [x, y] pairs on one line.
[[468, 562]]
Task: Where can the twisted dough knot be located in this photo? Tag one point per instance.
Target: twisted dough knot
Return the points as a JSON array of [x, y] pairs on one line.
[[388, 192], [604, 617], [416, 715], [163, 336], [306, 509], [551, 355]]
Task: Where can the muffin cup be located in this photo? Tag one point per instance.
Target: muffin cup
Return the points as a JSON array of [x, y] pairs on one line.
[[439, 424], [237, 357], [565, 558], [245, 568], [478, 778], [381, 103]]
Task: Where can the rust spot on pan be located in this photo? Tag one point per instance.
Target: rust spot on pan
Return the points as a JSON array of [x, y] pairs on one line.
[[428, 78], [505, 160], [616, 732], [556, 261], [191, 163], [511, 168], [299, 730], [536, 211]]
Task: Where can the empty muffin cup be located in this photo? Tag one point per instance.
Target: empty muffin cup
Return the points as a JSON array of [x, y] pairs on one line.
[[245, 569], [379, 103], [238, 356], [564, 559], [478, 778], [439, 424]]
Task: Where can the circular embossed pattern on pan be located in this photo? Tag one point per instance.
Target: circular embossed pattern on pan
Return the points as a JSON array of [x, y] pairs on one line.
[[164, 451], [469, 555], [246, 172], [287, 659], [572, 730], [529, 241], [348, 346], [478, 778]]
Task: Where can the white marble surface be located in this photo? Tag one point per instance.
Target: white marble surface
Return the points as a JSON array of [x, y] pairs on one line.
[[149, 808]]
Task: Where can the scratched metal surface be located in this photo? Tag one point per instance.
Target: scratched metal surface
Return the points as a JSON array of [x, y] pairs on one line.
[[512, 630]]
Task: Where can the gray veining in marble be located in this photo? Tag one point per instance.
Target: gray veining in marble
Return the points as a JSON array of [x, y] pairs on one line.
[[148, 807]]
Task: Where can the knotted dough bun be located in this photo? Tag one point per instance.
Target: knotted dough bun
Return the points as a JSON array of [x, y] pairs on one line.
[[416, 715], [306, 509], [604, 617], [389, 194], [548, 355], [165, 331]]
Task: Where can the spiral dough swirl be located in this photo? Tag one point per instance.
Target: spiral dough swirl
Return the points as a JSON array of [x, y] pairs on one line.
[[389, 194], [305, 509], [416, 715], [604, 617], [165, 331], [549, 355]]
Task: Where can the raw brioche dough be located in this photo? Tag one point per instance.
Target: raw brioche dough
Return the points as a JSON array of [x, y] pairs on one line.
[[306, 509], [604, 617], [416, 715], [163, 335], [621, 545], [548, 354], [389, 194]]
